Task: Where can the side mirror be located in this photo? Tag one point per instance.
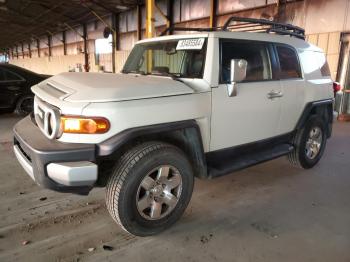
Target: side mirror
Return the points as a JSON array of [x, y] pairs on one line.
[[237, 74]]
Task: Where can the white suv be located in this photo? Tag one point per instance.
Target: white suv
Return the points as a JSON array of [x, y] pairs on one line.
[[197, 105]]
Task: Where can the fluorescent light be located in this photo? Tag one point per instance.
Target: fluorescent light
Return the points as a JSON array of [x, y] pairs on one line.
[[122, 7]]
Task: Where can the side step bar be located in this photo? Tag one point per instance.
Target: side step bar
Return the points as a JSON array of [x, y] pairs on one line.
[[227, 166]]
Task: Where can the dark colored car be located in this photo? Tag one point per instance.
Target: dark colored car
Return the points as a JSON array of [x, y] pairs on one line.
[[15, 92]]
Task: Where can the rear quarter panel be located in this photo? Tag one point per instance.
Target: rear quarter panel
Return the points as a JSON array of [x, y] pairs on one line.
[[317, 86]]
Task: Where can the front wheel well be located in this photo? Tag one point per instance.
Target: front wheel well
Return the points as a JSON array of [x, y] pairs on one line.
[[187, 139]]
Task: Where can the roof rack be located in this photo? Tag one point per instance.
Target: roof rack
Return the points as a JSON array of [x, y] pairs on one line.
[[197, 29], [243, 24]]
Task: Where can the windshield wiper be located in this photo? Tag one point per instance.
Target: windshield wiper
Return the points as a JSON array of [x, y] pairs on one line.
[[134, 72], [172, 75]]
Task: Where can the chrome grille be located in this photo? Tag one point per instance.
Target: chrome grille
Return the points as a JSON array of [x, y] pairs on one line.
[[47, 117]]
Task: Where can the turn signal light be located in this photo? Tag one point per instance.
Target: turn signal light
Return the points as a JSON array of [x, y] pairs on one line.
[[82, 125]]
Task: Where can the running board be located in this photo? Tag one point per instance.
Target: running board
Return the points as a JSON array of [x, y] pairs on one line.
[[227, 166]]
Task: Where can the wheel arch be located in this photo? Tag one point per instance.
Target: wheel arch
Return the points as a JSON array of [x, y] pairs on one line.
[[322, 108], [184, 134], [19, 97]]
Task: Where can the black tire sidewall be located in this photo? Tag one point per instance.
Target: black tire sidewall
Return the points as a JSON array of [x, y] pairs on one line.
[[314, 121], [18, 109], [127, 209]]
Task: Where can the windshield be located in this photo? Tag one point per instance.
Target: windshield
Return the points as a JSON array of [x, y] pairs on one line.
[[176, 58]]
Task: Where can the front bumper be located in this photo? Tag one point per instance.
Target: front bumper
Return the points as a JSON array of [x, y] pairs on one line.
[[63, 167]]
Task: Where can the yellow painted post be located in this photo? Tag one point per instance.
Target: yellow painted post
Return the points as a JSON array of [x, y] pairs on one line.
[[149, 18], [149, 30]]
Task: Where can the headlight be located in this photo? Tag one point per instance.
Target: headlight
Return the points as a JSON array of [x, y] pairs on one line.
[[82, 125]]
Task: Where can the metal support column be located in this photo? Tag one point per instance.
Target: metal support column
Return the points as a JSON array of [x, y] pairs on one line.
[[213, 7], [149, 30], [64, 41], [342, 101], [29, 50], [170, 15], [115, 29], [86, 55], [38, 46], [281, 15], [149, 18], [22, 50], [139, 18], [49, 38]]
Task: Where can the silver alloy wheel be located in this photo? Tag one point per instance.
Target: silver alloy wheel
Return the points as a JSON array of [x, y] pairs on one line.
[[159, 192], [313, 143]]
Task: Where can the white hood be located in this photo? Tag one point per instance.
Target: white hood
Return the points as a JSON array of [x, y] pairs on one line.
[[100, 87]]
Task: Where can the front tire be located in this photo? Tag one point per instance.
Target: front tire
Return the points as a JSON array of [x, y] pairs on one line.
[[149, 188], [309, 143]]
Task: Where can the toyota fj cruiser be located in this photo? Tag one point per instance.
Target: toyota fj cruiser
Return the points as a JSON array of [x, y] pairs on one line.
[[195, 105]]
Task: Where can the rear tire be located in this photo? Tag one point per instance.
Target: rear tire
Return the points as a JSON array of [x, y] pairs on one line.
[[309, 143], [149, 188]]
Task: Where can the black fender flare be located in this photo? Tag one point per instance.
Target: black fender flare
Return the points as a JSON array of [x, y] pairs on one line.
[[184, 134], [323, 108]]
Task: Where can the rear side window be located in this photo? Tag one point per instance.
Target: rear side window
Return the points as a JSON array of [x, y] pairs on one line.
[[289, 63]]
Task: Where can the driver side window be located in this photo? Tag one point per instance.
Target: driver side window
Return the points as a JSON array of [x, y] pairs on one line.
[[256, 54]]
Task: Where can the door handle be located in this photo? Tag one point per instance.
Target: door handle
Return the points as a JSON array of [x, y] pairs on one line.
[[274, 94]]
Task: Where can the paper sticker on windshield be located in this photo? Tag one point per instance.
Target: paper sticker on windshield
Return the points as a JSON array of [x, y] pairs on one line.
[[190, 44]]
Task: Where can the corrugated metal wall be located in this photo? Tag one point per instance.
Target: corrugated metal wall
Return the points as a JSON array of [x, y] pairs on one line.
[[120, 58], [50, 65], [322, 28], [330, 43]]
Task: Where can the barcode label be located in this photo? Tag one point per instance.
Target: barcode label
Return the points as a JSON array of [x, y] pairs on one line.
[[190, 44]]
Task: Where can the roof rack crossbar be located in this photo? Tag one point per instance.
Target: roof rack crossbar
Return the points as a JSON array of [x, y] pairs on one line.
[[256, 30], [282, 32], [244, 24], [189, 29]]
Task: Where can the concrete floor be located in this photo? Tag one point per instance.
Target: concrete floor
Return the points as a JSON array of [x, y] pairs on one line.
[[270, 212]]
